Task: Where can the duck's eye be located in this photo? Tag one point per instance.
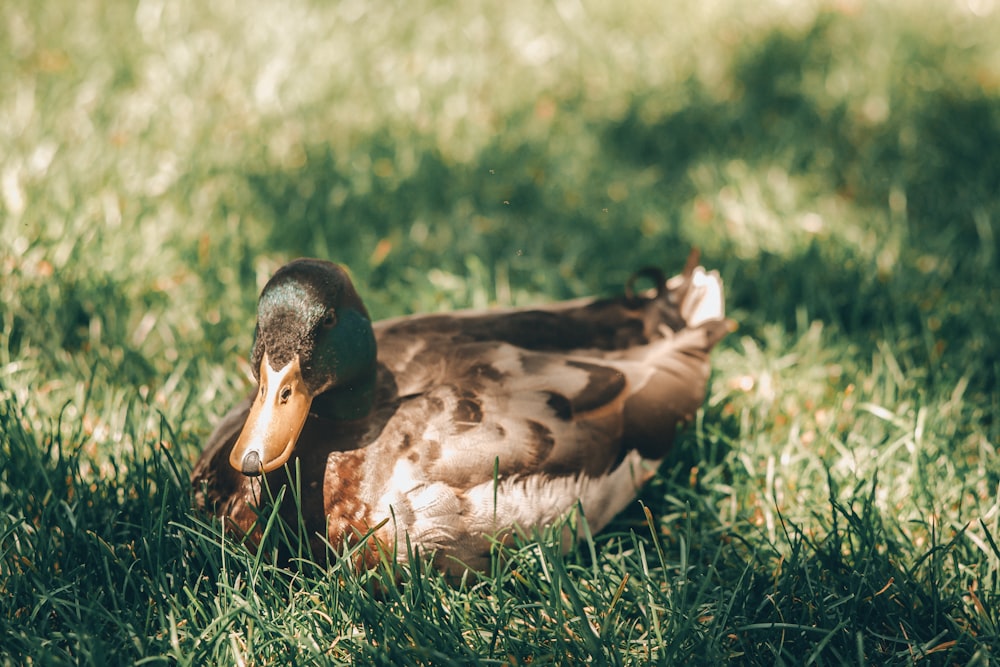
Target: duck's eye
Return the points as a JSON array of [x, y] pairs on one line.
[[330, 320]]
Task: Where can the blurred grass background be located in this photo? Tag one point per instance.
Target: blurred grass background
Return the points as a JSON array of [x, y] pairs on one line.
[[836, 161]]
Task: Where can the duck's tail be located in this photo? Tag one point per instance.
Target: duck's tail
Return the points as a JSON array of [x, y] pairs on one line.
[[692, 299], [689, 312], [699, 292]]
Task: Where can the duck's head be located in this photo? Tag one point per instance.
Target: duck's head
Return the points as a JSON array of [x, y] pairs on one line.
[[313, 337]]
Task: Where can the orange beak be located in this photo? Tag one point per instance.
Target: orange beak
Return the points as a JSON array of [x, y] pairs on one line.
[[278, 413]]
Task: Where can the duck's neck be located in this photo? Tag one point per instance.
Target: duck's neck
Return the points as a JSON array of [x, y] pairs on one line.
[[348, 402], [350, 353]]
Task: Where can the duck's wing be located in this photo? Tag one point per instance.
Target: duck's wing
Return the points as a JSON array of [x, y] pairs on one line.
[[562, 390]]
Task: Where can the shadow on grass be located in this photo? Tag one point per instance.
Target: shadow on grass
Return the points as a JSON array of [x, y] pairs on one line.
[[933, 143], [877, 602], [89, 562]]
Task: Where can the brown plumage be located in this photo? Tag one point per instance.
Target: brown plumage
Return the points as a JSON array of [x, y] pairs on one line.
[[463, 426]]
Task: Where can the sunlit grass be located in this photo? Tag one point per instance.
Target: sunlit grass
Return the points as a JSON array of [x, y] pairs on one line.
[[837, 500]]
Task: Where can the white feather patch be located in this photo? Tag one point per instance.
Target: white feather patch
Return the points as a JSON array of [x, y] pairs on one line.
[[434, 516], [703, 301]]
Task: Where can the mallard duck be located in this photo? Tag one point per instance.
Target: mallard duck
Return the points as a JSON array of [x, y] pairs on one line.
[[445, 431]]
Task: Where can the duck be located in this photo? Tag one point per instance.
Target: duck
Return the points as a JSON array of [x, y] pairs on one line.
[[443, 433]]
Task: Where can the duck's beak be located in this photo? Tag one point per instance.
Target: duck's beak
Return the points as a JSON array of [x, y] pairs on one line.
[[278, 413]]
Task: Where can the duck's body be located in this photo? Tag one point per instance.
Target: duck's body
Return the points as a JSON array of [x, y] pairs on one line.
[[466, 425]]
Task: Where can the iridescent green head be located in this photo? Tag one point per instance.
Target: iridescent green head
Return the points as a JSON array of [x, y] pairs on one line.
[[313, 336]]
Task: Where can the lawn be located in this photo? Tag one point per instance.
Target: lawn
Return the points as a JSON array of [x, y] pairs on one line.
[[837, 500]]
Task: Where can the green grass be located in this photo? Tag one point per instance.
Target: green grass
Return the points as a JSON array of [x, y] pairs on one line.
[[837, 500]]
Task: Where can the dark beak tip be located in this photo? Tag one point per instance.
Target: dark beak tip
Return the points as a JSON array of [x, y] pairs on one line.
[[251, 464]]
